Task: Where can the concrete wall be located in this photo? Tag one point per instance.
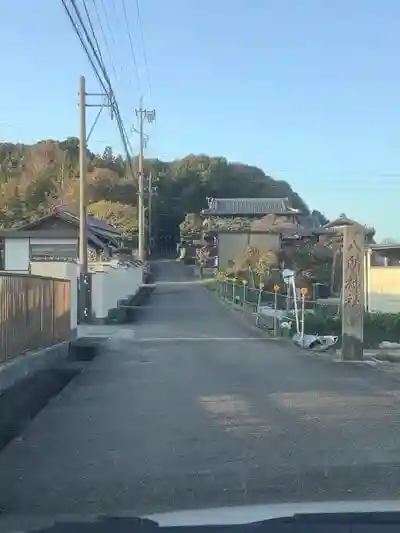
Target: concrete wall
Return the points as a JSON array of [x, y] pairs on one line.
[[231, 245], [265, 242], [112, 282], [383, 289], [58, 270]]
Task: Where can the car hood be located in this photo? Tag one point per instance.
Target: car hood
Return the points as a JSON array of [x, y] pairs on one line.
[[201, 517], [256, 513]]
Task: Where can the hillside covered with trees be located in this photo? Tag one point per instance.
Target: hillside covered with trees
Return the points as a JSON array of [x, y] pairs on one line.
[[35, 178]]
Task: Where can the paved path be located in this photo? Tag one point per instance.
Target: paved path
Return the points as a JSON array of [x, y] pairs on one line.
[[192, 408]]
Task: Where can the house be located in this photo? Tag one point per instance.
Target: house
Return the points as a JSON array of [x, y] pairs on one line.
[[55, 237], [263, 223], [247, 208], [342, 221], [49, 247]]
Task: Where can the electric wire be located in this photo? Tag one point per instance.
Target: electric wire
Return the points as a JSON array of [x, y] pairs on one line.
[[132, 49], [104, 79], [146, 63]]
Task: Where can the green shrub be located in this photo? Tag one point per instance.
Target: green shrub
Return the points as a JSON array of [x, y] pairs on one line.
[[322, 324], [378, 327]]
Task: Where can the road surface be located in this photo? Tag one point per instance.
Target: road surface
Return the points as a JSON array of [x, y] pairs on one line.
[[192, 408]]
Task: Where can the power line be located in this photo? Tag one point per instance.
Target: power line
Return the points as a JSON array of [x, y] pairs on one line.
[[84, 46], [146, 63], [92, 30], [107, 19], [132, 49], [104, 36], [99, 61], [105, 83]]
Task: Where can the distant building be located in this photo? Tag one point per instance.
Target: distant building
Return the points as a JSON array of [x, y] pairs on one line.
[[265, 223], [342, 221], [249, 207], [55, 237]]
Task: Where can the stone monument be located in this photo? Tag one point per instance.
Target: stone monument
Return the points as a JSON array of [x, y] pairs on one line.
[[353, 293]]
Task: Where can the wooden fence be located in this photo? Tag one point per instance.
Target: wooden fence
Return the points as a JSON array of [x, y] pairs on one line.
[[34, 313]]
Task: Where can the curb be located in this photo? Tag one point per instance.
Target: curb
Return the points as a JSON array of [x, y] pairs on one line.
[[26, 365]]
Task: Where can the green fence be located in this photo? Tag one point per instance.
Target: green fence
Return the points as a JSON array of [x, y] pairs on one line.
[[239, 294]]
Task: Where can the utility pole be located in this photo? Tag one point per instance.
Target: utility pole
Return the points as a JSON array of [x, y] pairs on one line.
[[150, 213], [141, 223], [83, 259], [142, 115], [84, 278]]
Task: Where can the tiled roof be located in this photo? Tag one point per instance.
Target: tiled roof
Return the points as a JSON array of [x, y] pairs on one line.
[[248, 206], [341, 221], [345, 221], [94, 224]]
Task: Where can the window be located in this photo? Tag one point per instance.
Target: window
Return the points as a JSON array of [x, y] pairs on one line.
[[53, 252]]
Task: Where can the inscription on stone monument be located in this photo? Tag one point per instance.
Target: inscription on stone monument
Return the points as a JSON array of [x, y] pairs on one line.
[[353, 293]]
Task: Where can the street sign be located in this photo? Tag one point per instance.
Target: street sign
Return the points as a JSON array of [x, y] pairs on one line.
[[276, 288], [304, 291], [288, 275]]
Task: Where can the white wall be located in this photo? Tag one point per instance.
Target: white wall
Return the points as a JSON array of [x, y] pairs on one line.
[[110, 283], [16, 255], [58, 270]]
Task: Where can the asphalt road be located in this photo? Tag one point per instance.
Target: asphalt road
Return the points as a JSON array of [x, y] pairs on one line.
[[191, 407]]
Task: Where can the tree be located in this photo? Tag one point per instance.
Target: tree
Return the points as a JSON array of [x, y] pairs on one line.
[[108, 156], [319, 217], [255, 265], [123, 217], [34, 178]]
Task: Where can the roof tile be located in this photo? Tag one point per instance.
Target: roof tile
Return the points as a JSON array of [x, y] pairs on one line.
[[247, 206]]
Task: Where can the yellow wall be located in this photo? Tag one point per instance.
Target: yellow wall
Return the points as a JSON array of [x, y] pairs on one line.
[[384, 280], [383, 294]]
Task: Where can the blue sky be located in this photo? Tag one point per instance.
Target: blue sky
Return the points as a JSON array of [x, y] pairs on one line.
[[307, 90]]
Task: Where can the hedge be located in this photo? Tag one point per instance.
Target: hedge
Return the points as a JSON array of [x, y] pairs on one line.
[[378, 327]]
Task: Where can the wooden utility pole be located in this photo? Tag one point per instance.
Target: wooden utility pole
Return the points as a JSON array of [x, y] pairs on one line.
[[353, 293], [83, 259]]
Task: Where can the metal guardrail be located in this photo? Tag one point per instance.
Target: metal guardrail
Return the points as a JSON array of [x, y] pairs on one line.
[[241, 295], [34, 313]]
